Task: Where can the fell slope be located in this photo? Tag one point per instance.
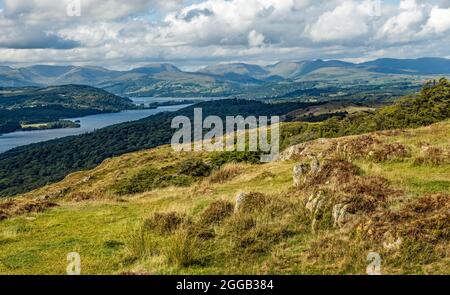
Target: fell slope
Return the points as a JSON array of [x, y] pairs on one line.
[[396, 185]]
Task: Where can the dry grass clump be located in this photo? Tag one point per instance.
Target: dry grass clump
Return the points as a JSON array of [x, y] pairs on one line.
[[367, 193], [389, 152], [433, 156], [14, 207], [164, 223], [333, 253], [226, 172], [371, 148], [261, 238], [253, 202], [427, 218], [333, 171], [216, 212], [337, 196], [416, 234], [184, 249], [358, 147]]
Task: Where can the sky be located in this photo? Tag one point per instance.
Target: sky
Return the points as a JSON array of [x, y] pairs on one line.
[[122, 34]]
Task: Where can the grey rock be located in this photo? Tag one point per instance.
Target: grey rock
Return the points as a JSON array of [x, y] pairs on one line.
[[299, 172], [340, 215], [239, 199], [315, 166]]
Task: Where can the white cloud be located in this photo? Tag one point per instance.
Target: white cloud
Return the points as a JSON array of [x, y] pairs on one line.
[[403, 26], [113, 32], [438, 22], [255, 39], [348, 21]]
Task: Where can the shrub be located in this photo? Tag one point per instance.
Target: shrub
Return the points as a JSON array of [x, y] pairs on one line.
[[149, 179], [194, 167]]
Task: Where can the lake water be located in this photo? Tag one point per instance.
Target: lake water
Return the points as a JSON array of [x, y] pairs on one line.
[[88, 124]]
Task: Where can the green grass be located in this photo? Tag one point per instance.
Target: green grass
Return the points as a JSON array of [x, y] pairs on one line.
[[108, 232]]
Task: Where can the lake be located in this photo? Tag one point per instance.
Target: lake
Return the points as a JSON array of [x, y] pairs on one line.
[[88, 124]]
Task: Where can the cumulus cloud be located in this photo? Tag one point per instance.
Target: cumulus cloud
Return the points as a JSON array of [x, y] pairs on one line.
[[348, 21], [90, 9], [439, 21], [406, 23], [113, 32], [255, 39]]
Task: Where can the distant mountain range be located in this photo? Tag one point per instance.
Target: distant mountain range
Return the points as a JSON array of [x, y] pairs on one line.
[[216, 80]]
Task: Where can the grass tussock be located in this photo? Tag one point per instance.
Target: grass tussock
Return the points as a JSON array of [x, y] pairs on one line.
[[371, 148], [227, 172], [185, 249], [164, 223], [216, 212], [433, 156], [15, 207]]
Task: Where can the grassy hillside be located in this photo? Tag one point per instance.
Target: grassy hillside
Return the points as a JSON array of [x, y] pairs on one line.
[[394, 185], [28, 167]]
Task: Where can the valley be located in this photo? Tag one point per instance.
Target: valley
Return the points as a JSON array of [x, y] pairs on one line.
[[373, 180]]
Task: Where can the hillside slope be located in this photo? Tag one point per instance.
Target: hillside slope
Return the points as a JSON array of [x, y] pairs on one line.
[[159, 212]]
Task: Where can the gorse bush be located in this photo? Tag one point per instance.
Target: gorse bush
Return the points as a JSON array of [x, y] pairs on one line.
[[149, 179], [220, 158], [194, 167]]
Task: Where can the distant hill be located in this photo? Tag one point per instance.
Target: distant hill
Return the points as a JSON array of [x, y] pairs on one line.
[[42, 105], [296, 69], [73, 96], [163, 79], [421, 66], [156, 68]]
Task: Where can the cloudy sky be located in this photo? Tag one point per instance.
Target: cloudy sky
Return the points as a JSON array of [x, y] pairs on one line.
[[193, 33]]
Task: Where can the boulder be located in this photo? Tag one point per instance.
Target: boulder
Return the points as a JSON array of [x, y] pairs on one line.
[[299, 173], [315, 202], [390, 243], [239, 199], [315, 166], [340, 215]]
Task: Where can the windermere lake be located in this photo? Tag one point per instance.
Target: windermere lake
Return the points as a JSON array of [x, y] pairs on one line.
[[87, 124]]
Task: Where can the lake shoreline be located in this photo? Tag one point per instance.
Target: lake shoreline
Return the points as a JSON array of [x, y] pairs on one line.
[[9, 141]]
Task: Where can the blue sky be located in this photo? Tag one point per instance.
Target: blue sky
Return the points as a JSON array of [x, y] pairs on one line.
[[194, 33]]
